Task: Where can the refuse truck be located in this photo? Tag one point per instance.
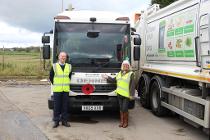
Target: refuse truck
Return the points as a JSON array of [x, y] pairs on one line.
[[174, 64], [96, 43]]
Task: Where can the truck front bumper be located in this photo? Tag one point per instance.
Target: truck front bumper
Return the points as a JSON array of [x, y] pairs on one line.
[[109, 103]]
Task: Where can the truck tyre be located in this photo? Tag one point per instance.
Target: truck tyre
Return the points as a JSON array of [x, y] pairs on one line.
[[143, 90], [155, 96]]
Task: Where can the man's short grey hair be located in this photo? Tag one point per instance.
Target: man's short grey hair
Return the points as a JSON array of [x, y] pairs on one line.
[[61, 53]]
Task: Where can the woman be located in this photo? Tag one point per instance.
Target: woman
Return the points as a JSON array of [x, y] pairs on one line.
[[125, 90]]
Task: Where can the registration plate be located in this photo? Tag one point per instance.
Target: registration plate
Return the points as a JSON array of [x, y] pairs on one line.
[[92, 108]]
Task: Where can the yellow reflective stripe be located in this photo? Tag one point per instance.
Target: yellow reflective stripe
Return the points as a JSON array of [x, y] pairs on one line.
[[123, 88], [61, 76], [124, 85], [61, 84], [124, 80], [55, 68], [184, 76]]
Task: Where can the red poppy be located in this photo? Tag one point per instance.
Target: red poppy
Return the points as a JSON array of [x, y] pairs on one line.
[[87, 89]]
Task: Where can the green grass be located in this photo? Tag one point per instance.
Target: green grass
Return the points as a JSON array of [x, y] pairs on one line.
[[19, 53], [26, 64]]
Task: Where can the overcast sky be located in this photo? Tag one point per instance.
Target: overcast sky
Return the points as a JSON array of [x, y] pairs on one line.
[[22, 22]]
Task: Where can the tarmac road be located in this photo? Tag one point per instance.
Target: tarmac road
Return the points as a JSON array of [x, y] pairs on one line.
[[24, 115]]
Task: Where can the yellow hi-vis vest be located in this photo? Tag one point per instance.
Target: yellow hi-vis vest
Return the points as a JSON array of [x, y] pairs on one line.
[[123, 84], [61, 81]]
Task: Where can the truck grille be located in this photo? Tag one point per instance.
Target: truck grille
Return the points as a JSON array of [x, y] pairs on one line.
[[98, 88]]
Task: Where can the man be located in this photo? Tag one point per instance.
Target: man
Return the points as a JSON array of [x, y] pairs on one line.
[[60, 75], [125, 90]]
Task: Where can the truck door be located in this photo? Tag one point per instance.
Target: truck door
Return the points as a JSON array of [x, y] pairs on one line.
[[204, 35], [134, 64]]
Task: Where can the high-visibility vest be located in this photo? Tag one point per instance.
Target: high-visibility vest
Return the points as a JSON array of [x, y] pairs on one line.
[[61, 80], [123, 84]]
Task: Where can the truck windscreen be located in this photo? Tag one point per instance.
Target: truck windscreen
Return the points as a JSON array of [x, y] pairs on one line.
[[84, 50]]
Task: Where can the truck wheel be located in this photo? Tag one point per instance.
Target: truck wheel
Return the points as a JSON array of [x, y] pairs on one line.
[[143, 90], [155, 97]]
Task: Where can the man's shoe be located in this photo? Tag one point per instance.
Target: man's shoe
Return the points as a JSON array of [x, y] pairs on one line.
[[66, 124], [56, 124]]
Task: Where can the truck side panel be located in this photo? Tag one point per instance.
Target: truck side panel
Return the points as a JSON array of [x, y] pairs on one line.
[[171, 38]]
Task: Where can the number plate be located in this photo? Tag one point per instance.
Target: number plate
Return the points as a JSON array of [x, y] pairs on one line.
[[92, 108]]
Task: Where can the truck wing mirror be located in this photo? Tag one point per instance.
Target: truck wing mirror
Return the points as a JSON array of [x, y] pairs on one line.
[[45, 39], [46, 52], [93, 33], [136, 53], [137, 41], [51, 32], [119, 52]]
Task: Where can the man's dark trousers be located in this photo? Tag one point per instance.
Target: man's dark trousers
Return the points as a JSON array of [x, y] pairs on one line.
[[60, 106]]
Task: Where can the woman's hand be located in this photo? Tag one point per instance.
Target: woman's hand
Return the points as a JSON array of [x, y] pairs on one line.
[[131, 98], [104, 76]]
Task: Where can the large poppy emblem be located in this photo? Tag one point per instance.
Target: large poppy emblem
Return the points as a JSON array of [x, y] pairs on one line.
[[88, 89]]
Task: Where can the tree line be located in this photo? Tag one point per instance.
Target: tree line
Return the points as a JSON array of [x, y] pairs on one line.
[[27, 49], [163, 3]]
